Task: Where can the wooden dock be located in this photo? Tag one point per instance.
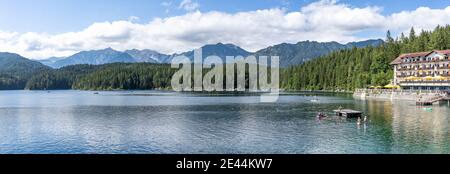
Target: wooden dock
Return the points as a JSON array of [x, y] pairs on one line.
[[430, 101], [348, 113]]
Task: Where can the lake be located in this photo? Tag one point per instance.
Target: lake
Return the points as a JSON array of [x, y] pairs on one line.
[[149, 122]]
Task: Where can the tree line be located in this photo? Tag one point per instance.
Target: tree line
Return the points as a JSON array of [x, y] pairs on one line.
[[362, 67], [104, 77]]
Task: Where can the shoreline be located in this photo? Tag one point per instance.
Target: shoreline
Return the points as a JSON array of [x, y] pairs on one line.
[[389, 94], [361, 94], [170, 90]]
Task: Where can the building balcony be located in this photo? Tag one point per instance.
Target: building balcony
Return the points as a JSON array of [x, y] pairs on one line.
[[426, 61], [424, 70], [423, 76], [425, 83]]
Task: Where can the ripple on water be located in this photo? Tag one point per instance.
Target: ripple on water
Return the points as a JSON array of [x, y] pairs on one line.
[[114, 122]]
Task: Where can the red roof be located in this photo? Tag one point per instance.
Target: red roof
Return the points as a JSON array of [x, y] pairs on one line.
[[445, 52], [398, 60]]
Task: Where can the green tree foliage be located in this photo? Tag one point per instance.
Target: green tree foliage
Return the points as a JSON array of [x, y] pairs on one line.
[[60, 78], [15, 70], [362, 67], [127, 76], [104, 77], [10, 82]]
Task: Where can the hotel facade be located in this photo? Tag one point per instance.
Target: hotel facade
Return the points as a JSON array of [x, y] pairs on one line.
[[423, 70]]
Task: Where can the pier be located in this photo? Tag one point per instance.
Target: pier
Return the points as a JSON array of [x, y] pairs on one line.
[[348, 113], [421, 97], [431, 100]]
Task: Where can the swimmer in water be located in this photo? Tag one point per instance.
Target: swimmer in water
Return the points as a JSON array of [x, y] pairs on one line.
[[321, 115]]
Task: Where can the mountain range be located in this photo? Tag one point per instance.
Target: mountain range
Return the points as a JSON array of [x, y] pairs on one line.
[[290, 54], [17, 72], [295, 54]]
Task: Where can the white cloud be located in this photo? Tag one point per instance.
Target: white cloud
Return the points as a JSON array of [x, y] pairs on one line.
[[189, 5], [421, 18], [252, 30]]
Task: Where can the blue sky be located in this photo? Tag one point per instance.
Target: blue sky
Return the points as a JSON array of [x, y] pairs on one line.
[[44, 28], [53, 16]]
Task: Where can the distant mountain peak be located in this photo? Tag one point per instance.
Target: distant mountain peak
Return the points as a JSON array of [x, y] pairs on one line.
[[370, 42], [94, 57], [15, 62], [290, 54], [6, 54], [147, 55], [108, 49], [221, 44], [294, 54]]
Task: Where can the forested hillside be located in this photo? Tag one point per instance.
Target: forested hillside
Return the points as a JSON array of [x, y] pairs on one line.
[[362, 67], [127, 76], [15, 70], [104, 77], [59, 78]]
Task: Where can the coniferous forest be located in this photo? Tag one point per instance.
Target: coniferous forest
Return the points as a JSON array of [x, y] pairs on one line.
[[104, 77], [15, 71], [362, 67]]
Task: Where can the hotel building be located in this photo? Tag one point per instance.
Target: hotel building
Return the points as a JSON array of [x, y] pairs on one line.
[[423, 70]]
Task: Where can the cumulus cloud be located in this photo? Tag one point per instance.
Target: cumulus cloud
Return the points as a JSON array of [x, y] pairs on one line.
[[422, 18], [321, 21]]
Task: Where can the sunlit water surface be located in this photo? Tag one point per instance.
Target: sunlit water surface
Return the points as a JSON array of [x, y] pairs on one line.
[[165, 122]]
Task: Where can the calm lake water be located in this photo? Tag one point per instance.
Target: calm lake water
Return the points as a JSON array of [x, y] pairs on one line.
[[165, 122]]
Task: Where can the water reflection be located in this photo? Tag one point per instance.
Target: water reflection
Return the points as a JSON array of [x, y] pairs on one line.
[[422, 127], [154, 122]]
